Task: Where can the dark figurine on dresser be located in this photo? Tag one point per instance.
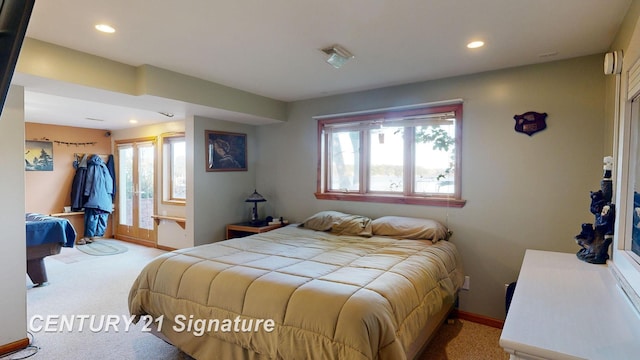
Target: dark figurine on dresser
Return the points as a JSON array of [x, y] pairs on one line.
[[595, 239]]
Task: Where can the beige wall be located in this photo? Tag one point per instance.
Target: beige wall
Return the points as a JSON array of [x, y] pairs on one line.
[[49, 192], [42, 59], [13, 307], [522, 192], [215, 199]]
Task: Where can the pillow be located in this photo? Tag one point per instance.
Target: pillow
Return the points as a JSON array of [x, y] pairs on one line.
[[339, 223], [400, 227], [322, 221], [353, 225]]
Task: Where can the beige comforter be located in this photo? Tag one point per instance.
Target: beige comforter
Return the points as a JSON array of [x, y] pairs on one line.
[[327, 296]]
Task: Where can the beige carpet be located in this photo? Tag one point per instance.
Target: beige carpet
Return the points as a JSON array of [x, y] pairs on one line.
[[465, 340], [81, 284], [102, 247]]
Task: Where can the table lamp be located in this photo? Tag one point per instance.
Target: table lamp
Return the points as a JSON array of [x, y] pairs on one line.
[[255, 198]]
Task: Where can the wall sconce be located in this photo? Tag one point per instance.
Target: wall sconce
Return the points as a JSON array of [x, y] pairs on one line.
[[255, 198], [338, 56]]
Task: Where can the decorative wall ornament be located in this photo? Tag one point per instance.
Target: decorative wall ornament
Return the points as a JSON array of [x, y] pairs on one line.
[[594, 239], [530, 122], [58, 142], [225, 151], [38, 155]]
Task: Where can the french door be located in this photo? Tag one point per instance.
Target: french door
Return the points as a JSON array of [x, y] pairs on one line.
[[136, 161]]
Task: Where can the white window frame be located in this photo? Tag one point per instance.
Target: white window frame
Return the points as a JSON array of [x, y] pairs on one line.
[[625, 264]]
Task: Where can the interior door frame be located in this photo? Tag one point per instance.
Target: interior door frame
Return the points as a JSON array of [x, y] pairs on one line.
[[153, 238]]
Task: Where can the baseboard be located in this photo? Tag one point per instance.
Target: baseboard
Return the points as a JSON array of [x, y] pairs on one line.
[[14, 346], [480, 319], [165, 248], [144, 243], [147, 243]]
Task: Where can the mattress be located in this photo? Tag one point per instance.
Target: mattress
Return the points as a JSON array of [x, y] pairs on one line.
[[326, 296]]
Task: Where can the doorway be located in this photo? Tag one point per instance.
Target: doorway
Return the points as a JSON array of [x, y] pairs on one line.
[[136, 168]]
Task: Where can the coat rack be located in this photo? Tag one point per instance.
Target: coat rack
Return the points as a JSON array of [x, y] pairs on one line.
[[78, 156], [68, 143]]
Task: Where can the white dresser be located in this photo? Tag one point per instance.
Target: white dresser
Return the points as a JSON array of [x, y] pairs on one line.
[[564, 308]]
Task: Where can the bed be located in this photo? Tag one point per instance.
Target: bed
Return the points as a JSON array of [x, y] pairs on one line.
[[45, 235], [337, 286]]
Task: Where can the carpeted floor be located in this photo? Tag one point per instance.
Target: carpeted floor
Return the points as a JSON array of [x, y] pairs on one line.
[[84, 285], [465, 340], [102, 247]]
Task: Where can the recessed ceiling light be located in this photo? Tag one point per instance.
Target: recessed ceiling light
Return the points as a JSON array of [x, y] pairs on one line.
[[133, 121], [105, 28], [475, 44]]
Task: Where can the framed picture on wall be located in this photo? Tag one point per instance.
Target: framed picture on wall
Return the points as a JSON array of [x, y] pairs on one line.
[[38, 155], [225, 151]]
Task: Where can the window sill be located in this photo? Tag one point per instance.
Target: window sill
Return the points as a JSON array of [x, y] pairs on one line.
[[174, 202], [408, 200]]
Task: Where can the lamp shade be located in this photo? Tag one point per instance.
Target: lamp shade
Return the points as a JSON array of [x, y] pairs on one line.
[[255, 197]]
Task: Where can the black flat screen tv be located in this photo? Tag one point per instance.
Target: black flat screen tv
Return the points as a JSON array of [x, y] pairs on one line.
[[14, 18]]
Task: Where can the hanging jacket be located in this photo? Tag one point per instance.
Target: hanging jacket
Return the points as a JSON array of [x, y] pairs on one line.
[[112, 171], [77, 186], [98, 186]]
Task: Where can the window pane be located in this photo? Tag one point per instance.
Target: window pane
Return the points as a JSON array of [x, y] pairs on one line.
[[345, 162], [145, 193], [178, 170], [387, 158], [125, 185], [435, 159]]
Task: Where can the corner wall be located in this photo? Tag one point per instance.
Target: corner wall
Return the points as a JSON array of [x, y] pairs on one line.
[[13, 302], [522, 192]]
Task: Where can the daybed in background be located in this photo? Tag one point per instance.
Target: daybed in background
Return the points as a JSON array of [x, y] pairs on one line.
[[338, 286], [46, 235]]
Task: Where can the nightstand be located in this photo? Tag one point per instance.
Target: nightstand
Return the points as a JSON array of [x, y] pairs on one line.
[[245, 229]]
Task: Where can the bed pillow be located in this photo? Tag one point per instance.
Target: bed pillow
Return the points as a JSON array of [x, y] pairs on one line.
[[339, 223], [400, 227]]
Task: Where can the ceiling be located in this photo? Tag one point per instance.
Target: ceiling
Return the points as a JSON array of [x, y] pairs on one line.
[[272, 48]]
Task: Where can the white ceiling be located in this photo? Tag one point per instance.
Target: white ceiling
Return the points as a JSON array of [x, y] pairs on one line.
[[271, 48]]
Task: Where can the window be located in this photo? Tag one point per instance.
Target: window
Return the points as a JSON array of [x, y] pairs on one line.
[[397, 156], [174, 168], [626, 243]]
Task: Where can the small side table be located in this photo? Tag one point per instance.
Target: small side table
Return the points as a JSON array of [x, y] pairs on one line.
[[245, 229]]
